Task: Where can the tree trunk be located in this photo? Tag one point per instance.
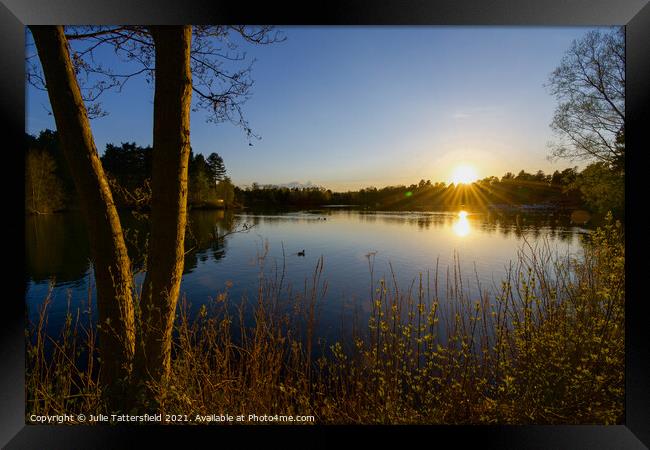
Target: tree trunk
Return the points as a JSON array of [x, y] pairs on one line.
[[110, 259], [165, 258]]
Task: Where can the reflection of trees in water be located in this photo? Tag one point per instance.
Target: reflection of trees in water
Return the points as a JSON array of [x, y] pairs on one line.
[[202, 240], [255, 219], [204, 237], [370, 217], [56, 245], [529, 225], [424, 223], [533, 225]]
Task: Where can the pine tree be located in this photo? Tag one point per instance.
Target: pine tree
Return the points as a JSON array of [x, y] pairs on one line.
[[216, 167]]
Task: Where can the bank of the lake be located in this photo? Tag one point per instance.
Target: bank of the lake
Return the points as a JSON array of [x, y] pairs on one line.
[[541, 343]]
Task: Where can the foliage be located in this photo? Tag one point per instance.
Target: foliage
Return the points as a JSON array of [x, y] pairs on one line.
[[200, 185], [216, 168], [209, 185], [44, 191], [270, 196], [602, 188], [554, 191], [128, 168], [549, 348], [129, 164], [225, 191], [48, 141], [589, 85]]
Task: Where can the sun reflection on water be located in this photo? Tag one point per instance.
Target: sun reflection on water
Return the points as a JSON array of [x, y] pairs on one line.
[[461, 225]]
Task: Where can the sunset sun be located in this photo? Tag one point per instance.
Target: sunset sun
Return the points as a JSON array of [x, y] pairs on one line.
[[464, 174]]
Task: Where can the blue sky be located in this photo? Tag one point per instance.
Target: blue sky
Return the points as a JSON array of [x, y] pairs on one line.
[[349, 107]]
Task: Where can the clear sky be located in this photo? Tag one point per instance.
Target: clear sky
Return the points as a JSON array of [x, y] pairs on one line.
[[350, 107]]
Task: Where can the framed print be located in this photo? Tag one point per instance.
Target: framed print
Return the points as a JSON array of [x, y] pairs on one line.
[[387, 219]]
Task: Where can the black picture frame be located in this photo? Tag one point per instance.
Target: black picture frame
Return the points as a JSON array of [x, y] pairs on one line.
[[633, 14]]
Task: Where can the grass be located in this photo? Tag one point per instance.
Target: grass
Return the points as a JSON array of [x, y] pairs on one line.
[[546, 346]]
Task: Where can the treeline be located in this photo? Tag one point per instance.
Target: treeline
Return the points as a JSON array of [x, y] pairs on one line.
[[278, 197], [48, 182], [509, 190], [49, 186], [597, 188]]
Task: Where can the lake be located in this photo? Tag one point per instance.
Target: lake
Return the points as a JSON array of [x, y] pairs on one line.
[[227, 250]]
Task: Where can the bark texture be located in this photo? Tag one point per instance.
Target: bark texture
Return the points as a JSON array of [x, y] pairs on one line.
[[111, 263], [171, 148]]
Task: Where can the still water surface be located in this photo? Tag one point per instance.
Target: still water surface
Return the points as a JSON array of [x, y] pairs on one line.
[[57, 253]]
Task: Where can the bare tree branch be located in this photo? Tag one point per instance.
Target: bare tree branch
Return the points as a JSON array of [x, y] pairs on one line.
[[221, 72], [589, 85]]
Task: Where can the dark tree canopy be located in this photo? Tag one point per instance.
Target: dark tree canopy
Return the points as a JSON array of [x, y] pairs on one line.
[[129, 163], [556, 192], [48, 141], [216, 167]]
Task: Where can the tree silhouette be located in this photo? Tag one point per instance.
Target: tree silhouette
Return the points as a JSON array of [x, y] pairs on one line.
[[589, 85], [216, 167]]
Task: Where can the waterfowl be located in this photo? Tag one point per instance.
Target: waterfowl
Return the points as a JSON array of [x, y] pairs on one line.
[[302, 253]]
